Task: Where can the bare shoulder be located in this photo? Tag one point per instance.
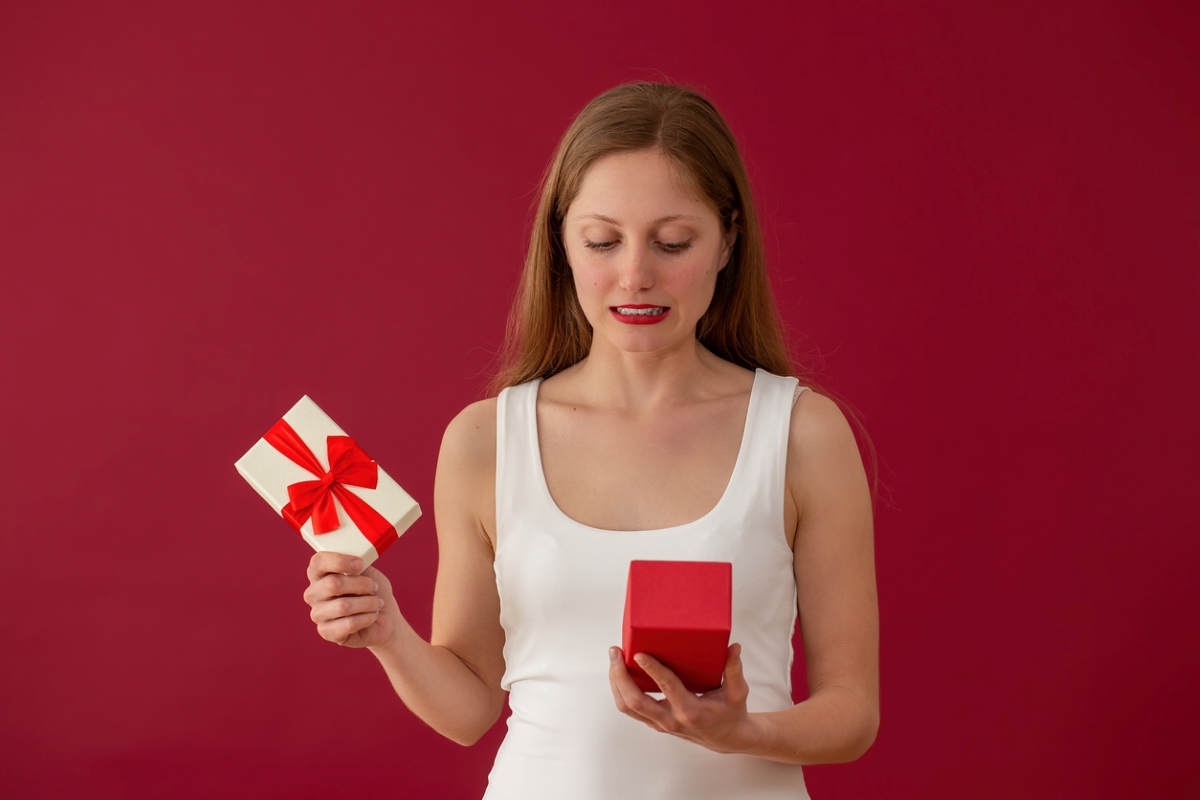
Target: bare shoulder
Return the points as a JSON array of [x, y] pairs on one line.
[[823, 458], [470, 438], [465, 486], [817, 421]]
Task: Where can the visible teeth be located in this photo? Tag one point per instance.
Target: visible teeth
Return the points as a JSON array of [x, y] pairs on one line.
[[654, 312]]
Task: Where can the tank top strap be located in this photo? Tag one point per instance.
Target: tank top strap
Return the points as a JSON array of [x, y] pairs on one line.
[[517, 468], [760, 479]]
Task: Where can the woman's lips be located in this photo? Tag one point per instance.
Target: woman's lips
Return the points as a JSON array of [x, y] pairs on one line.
[[640, 319]]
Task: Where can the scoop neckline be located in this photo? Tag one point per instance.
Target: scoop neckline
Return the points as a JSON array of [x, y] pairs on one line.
[[562, 515]]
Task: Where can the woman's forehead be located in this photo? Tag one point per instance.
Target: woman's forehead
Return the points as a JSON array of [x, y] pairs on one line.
[[646, 185]]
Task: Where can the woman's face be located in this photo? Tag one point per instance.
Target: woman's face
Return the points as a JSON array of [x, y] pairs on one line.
[[644, 251]]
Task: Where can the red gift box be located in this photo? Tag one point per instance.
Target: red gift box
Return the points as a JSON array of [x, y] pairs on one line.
[[679, 612]]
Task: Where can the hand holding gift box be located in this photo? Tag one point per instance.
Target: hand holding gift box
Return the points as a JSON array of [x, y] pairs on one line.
[[320, 481], [680, 613]]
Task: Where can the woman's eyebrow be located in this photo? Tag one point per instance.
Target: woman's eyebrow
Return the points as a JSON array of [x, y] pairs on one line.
[[659, 221]]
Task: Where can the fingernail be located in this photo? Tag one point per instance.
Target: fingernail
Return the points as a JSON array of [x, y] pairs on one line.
[[612, 655], [374, 587], [356, 564], [379, 602], [640, 659]]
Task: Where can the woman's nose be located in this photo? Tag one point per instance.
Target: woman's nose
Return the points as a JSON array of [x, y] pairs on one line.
[[636, 268]]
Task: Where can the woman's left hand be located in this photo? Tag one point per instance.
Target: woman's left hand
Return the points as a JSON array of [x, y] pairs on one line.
[[717, 720]]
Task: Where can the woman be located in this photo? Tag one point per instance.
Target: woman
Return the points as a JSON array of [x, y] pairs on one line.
[[645, 413]]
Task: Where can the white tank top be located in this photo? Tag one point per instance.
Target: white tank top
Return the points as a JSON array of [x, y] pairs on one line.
[[562, 594]]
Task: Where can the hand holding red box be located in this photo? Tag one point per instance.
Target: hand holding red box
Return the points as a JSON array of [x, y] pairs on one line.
[[680, 613]]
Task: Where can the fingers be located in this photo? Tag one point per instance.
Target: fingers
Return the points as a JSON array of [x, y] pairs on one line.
[[345, 596], [631, 700], [734, 682], [337, 585], [340, 629], [385, 586], [340, 617], [667, 681], [323, 563], [336, 574], [348, 606], [707, 719], [735, 679]]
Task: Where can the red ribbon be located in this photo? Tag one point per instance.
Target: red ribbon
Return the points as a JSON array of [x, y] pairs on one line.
[[348, 465]]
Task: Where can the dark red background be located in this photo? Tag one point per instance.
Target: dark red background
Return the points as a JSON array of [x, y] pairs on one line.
[[984, 216]]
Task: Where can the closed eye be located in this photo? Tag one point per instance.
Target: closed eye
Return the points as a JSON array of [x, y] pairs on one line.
[[670, 247]]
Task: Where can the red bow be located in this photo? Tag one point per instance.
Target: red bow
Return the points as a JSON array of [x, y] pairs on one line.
[[348, 465]]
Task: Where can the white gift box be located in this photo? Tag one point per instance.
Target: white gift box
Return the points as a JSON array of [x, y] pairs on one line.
[[271, 472]]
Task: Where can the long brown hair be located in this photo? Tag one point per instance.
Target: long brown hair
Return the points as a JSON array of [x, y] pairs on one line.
[[547, 330]]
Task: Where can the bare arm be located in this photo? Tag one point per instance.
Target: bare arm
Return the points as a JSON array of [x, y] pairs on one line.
[[451, 682], [837, 596]]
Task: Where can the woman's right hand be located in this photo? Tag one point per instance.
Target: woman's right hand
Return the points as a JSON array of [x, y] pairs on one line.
[[350, 609]]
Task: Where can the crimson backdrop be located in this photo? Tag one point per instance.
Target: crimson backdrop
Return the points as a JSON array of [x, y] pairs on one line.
[[984, 215]]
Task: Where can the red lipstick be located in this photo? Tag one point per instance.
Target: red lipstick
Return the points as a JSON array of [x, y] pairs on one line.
[[640, 319]]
